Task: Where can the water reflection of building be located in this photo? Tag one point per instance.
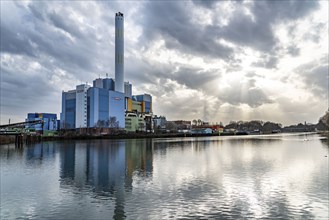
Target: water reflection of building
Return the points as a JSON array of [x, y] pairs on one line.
[[31, 154], [37, 153], [139, 157], [67, 157], [107, 166]]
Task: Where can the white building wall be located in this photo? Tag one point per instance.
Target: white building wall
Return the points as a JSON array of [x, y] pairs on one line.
[[81, 106]]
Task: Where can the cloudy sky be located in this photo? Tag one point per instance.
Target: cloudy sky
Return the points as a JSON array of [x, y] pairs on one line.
[[210, 60]]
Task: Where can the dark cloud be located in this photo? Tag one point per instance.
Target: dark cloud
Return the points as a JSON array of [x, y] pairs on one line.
[[257, 31], [48, 35], [194, 78], [142, 71], [289, 9], [67, 25], [36, 10], [25, 93], [172, 22], [316, 77], [205, 3], [184, 75], [243, 31], [15, 42]]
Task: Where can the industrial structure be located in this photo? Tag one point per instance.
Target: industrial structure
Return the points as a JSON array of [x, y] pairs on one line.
[[108, 102], [49, 122], [119, 52]]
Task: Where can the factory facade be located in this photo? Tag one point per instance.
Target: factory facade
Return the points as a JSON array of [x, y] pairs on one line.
[[108, 102], [50, 122]]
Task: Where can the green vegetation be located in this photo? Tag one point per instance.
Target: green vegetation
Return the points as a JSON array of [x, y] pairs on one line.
[[255, 125], [323, 124]]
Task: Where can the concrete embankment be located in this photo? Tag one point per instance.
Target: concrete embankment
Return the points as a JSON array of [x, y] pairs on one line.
[[10, 139]]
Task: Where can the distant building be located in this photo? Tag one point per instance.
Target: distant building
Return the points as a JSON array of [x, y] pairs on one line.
[[68, 110], [49, 122], [81, 106], [134, 123], [145, 101], [98, 83], [74, 108], [159, 122], [128, 90], [215, 128], [201, 131], [183, 125]]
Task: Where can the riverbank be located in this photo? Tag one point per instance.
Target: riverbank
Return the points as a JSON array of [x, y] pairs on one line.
[[7, 139], [324, 133], [10, 139], [127, 136]]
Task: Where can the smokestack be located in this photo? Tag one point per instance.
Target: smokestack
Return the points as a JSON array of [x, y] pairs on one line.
[[119, 53]]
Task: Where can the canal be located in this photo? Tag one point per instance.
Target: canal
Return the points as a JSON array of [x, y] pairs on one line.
[[276, 176]]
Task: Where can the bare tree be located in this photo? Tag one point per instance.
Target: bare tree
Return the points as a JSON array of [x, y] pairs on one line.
[[171, 126], [113, 123], [325, 119], [100, 124]]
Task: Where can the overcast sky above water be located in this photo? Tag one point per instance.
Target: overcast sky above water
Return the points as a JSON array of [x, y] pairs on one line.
[[213, 60]]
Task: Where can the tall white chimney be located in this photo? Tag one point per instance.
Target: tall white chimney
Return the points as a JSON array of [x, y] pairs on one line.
[[119, 53]]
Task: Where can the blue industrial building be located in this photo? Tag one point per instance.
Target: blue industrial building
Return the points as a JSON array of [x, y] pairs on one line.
[[103, 105], [68, 110], [50, 122], [108, 84]]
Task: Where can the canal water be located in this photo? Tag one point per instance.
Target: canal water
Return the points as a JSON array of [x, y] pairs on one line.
[[265, 177]]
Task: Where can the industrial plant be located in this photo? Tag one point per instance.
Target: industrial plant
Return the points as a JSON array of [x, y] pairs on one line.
[[108, 102]]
